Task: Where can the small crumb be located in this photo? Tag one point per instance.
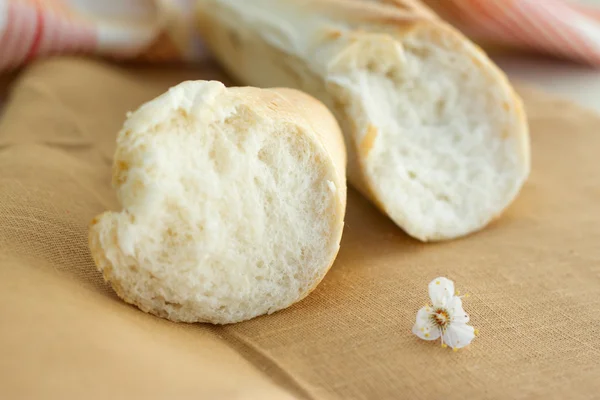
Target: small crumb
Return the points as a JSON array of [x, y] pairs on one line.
[[183, 113], [123, 165], [333, 34], [368, 140]]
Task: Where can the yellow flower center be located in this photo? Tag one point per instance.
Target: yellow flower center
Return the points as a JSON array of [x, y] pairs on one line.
[[440, 317]]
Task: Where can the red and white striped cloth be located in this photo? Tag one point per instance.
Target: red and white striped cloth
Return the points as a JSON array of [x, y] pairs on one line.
[[154, 29], [31, 29], [565, 29], [163, 29]]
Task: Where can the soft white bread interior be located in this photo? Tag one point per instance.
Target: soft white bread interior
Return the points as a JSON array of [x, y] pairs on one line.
[[233, 202], [436, 136]]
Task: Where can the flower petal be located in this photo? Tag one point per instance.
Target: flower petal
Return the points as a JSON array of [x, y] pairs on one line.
[[457, 311], [423, 327], [424, 315], [459, 335], [426, 332], [441, 290]]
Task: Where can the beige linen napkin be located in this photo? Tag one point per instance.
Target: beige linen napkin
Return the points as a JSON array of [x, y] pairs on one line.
[[534, 275]]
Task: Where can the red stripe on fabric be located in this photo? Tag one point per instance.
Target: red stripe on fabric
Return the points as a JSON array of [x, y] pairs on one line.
[[534, 26], [513, 21], [588, 50], [505, 28], [563, 45], [56, 31], [543, 36], [67, 33], [551, 26], [25, 33], [47, 39], [590, 44], [482, 23], [39, 32], [15, 45]]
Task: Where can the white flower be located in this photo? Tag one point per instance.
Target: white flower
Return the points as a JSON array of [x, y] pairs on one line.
[[445, 318]]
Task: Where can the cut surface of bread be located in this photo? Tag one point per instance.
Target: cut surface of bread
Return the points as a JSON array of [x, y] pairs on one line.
[[436, 136], [233, 203]]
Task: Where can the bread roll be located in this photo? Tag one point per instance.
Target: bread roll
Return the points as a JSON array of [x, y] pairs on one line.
[[233, 203], [436, 136]]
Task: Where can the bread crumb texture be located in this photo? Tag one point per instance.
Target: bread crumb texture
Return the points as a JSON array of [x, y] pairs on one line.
[[229, 211], [450, 154], [436, 136]]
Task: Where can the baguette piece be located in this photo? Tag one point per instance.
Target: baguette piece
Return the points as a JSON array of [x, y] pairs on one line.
[[233, 203], [436, 136]]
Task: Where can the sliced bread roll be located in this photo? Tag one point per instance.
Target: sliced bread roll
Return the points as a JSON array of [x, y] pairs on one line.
[[436, 136], [233, 203]]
